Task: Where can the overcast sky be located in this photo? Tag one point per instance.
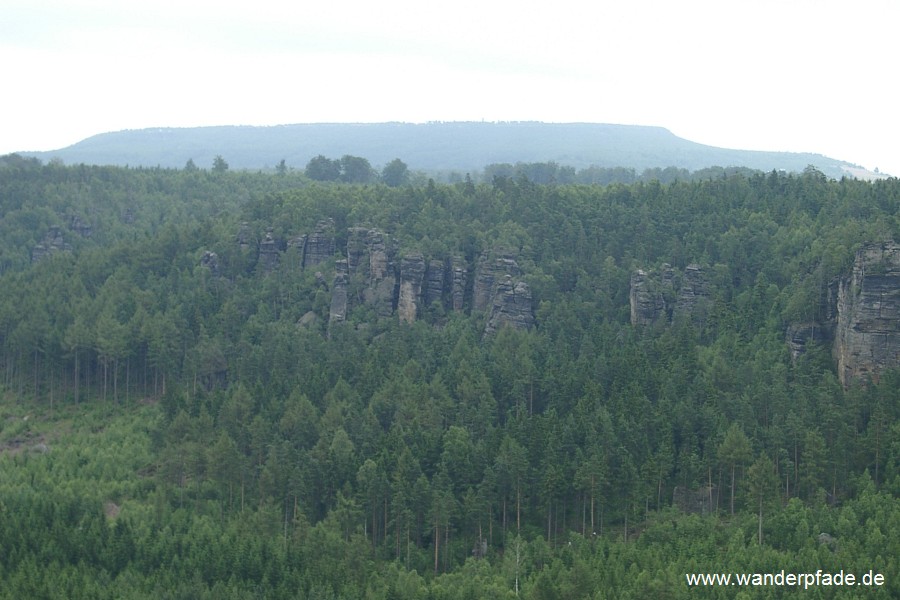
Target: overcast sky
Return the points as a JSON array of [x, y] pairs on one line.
[[792, 75]]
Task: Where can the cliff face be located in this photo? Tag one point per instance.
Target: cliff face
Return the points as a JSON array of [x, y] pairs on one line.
[[373, 275], [511, 307], [646, 299], [370, 262], [799, 335], [269, 256], [668, 296], [339, 299], [499, 292], [867, 338], [319, 244], [489, 274], [412, 273], [692, 301], [458, 281], [435, 284]]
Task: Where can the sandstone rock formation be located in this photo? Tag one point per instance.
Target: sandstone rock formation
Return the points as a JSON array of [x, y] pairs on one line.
[[667, 296], [80, 226], [309, 320], [210, 260], [798, 337], [692, 301], [339, 300], [412, 273], [458, 281], [357, 251], [434, 285], [371, 267], [244, 238], [372, 275], [867, 337], [646, 299], [511, 306], [490, 272], [320, 245], [298, 242], [52, 242], [268, 253]]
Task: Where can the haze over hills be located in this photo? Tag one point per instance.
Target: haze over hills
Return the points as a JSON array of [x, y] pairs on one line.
[[438, 146]]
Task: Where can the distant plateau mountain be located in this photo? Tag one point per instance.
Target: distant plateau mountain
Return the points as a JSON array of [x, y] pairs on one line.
[[439, 146]]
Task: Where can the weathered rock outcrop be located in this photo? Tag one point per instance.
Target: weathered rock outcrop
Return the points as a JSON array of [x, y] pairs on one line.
[[799, 336], [511, 307], [357, 250], [320, 244], [80, 226], [244, 238], [210, 260], [372, 275], [646, 299], [412, 273], [379, 255], [491, 271], [52, 243], [692, 300], [458, 281], [667, 296], [298, 242], [268, 253], [434, 285], [371, 268], [499, 292], [867, 337], [339, 304], [310, 320]]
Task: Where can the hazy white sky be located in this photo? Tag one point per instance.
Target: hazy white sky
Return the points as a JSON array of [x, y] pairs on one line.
[[794, 75]]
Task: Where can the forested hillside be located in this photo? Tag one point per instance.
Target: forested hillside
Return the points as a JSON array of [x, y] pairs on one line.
[[432, 147], [221, 384]]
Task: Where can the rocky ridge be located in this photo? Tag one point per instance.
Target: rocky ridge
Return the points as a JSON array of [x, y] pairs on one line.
[[370, 272]]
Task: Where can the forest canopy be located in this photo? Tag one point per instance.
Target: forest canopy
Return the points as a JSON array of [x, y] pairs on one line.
[[183, 416]]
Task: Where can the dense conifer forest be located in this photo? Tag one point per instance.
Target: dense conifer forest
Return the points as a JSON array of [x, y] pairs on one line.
[[183, 416]]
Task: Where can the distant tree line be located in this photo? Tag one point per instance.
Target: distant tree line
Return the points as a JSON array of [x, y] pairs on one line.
[[354, 169]]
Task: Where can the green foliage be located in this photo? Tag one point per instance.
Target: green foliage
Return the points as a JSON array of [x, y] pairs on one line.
[[168, 427], [395, 173]]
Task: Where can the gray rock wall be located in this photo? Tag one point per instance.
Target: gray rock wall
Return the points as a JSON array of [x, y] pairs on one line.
[[692, 300], [268, 253], [371, 275], [52, 242], [435, 283], [339, 298], [320, 245], [867, 338], [489, 273], [645, 299], [666, 295], [511, 307], [458, 282], [412, 274]]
